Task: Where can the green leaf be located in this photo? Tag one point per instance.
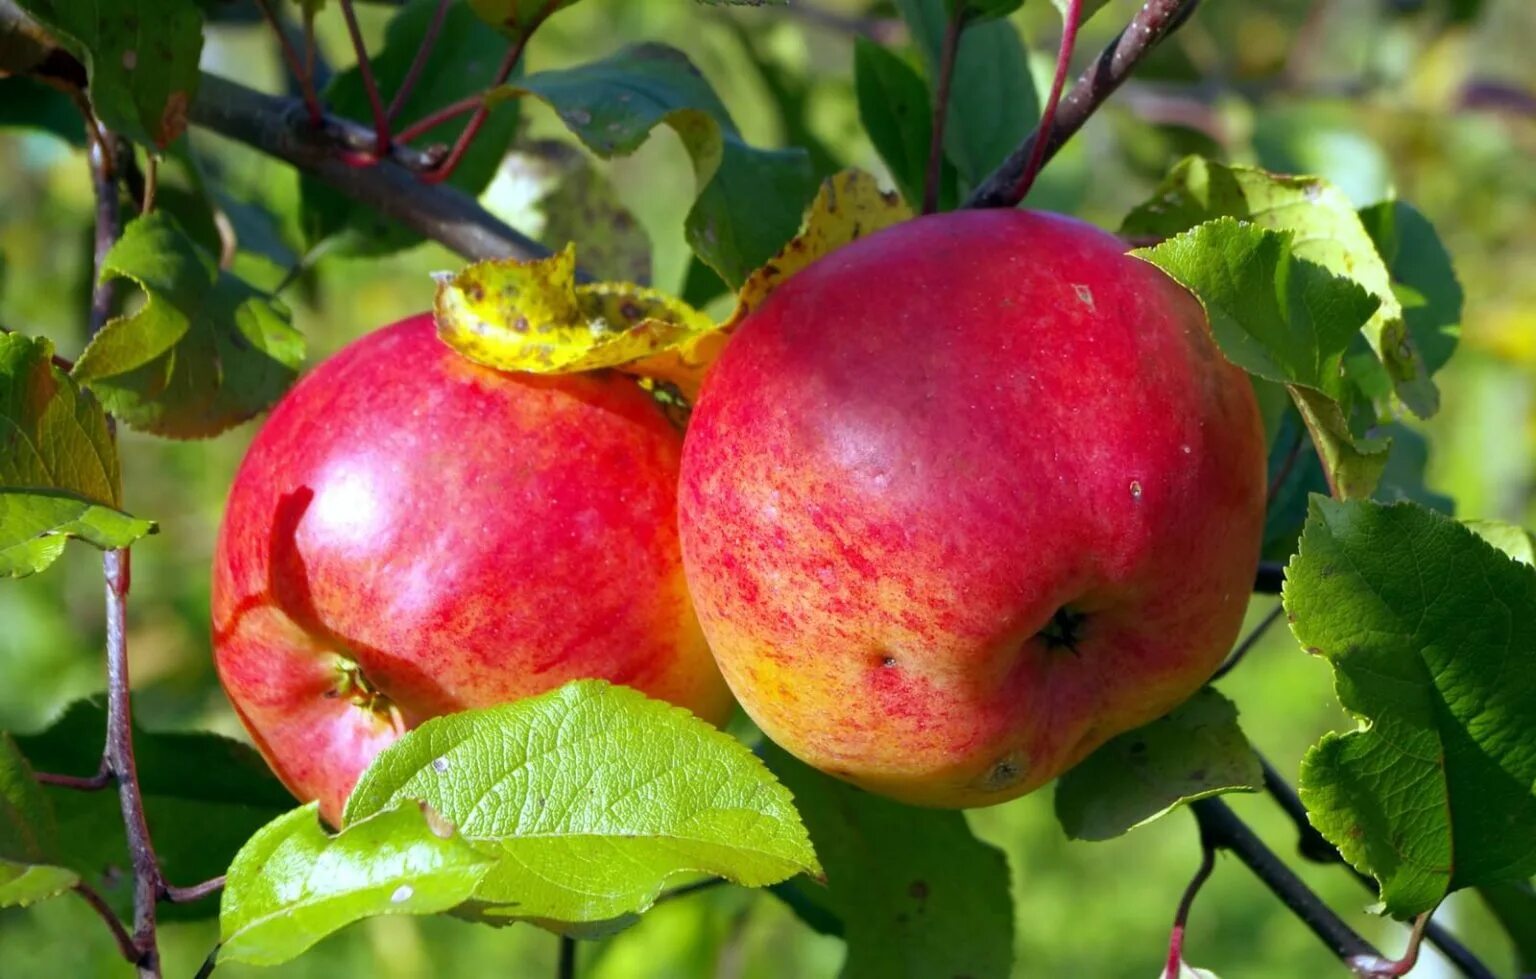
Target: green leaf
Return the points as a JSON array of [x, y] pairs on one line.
[[1326, 231], [1403, 478], [1423, 278], [462, 63], [26, 103], [140, 58], [750, 200], [1284, 319], [59, 473], [28, 835], [293, 885], [517, 18], [204, 352], [1515, 541], [993, 103], [1086, 12], [203, 794], [1194, 752], [1432, 635], [592, 796], [918, 895], [1514, 905], [895, 111], [980, 10]]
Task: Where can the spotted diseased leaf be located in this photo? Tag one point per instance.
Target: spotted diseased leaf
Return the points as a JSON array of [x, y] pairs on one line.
[[58, 465], [292, 884], [140, 59], [462, 62], [203, 353], [29, 870], [749, 200], [913, 892], [1285, 319], [1431, 632], [591, 798], [1325, 230], [1194, 752]]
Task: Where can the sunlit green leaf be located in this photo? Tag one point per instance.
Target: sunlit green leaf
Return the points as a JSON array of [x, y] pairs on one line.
[[592, 797], [293, 885], [1432, 635]]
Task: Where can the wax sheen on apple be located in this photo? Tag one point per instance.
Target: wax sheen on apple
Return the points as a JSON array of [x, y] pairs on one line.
[[966, 498], [412, 534]]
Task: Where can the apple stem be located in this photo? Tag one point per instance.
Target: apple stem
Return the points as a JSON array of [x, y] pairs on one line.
[[1313, 846], [1070, 19], [952, 31], [423, 55], [1155, 21], [302, 71], [1181, 916]]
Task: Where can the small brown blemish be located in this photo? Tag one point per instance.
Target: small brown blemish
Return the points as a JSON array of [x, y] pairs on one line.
[[1135, 489], [1004, 773], [887, 661]]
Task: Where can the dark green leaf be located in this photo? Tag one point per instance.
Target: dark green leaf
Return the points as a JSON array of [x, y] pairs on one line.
[[750, 200], [1403, 478], [140, 57], [1194, 752], [1284, 319], [517, 18], [204, 795], [1422, 278], [26, 103], [1514, 905], [895, 111], [918, 895], [463, 62], [993, 103], [205, 352], [58, 464], [1326, 230], [592, 796], [28, 835], [293, 885], [1432, 635], [580, 206]]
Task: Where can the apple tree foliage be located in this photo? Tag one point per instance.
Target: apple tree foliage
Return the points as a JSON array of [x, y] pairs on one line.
[[575, 811]]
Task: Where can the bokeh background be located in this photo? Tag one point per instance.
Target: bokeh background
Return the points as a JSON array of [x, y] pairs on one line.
[[1433, 101]]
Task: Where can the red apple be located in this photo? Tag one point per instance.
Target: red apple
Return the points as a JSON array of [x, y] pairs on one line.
[[966, 498], [413, 534]]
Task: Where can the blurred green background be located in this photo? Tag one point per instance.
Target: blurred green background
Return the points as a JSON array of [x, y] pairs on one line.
[[1433, 102]]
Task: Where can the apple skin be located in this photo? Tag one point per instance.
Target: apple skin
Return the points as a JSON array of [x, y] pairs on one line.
[[924, 446], [412, 534]]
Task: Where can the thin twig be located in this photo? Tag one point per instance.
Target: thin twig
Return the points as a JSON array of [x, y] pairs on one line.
[[444, 214], [209, 964], [98, 904], [80, 783], [370, 86], [1155, 21], [1268, 579], [109, 226], [565, 968], [1221, 826], [1248, 642], [302, 71], [504, 71], [1181, 916], [953, 29], [186, 895], [418, 63], [1070, 19], [119, 755]]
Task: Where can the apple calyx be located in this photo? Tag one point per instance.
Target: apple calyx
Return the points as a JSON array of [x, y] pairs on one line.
[[1065, 630], [355, 688]]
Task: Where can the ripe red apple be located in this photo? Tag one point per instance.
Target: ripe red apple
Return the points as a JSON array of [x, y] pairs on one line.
[[412, 534], [966, 498]]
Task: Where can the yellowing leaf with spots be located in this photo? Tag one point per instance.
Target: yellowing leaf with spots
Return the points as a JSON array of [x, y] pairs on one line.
[[533, 316]]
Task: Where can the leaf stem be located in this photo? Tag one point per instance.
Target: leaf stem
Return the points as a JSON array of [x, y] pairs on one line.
[[370, 86], [151, 183], [1181, 916], [1248, 642], [444, 170], [301, 71], [80, 783], [418, 63], [436, 118], [1155, 21], [947, 57], [1070, 19], [565, 968], [186, 895], [125, 945]]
